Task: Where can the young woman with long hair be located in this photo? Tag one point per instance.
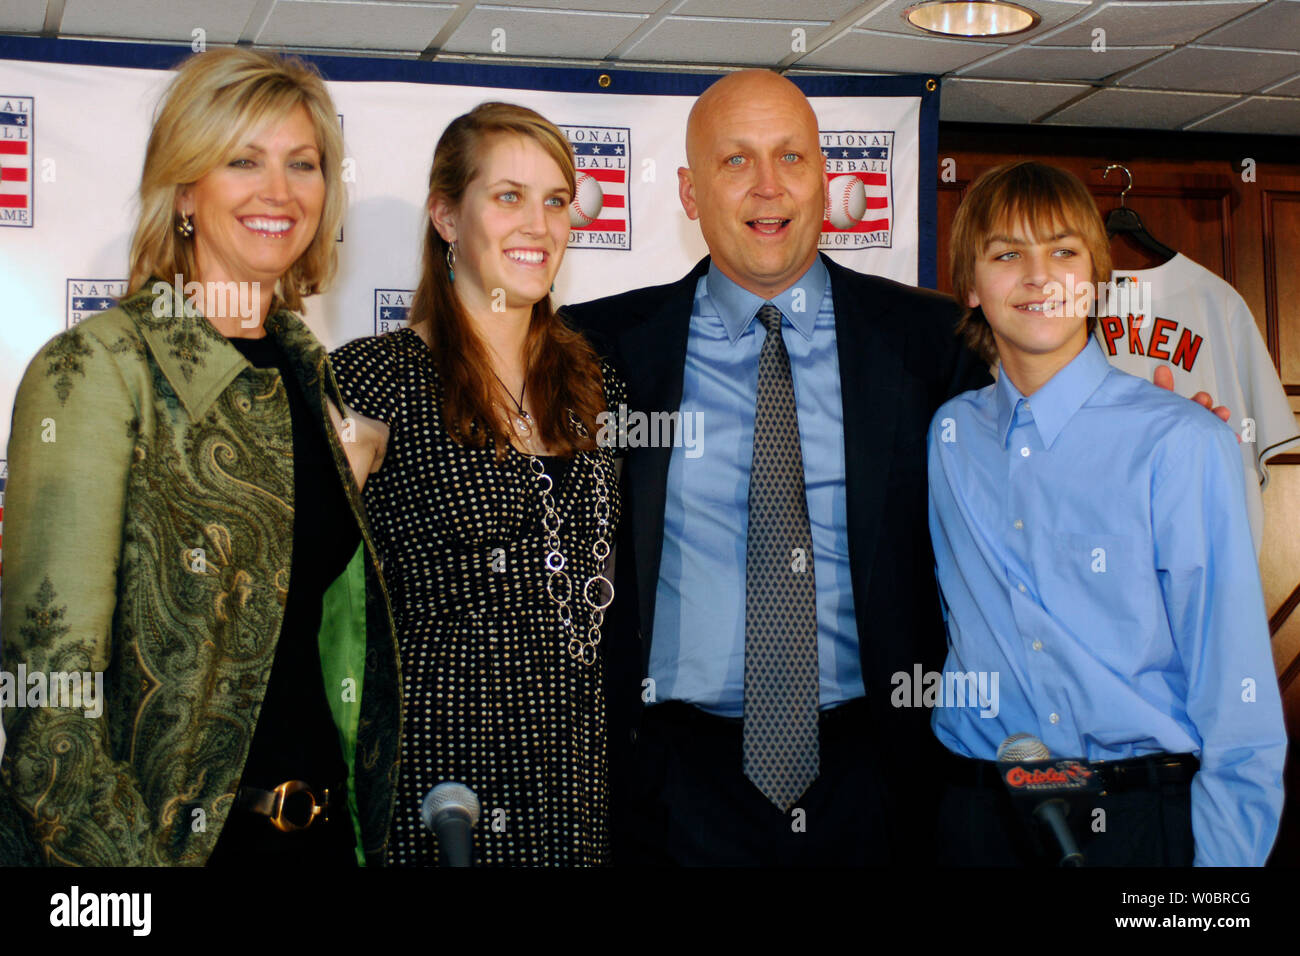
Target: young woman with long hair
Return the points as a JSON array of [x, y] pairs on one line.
[[496, 508]]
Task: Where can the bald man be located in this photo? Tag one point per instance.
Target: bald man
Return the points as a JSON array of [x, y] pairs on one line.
[[750, 675]]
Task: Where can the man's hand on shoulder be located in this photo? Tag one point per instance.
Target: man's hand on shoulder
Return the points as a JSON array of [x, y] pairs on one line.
[[1164, 378]]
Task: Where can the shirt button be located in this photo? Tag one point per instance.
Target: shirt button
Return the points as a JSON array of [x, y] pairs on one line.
[[1055, 718], [1037, 645], [1022, 588], [1018, 524], [1024, 452]]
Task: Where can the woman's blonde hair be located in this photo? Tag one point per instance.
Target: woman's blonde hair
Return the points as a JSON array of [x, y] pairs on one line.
[[563, 371], [217, 99]]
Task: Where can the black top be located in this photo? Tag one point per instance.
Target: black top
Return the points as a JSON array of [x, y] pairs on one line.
[[295, 737], [492, 697], [557, 467]]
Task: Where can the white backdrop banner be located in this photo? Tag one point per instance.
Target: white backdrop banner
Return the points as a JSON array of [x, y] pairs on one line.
[[75, 116]]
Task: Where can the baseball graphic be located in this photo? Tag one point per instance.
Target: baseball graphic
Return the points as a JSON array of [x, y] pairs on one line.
[[587, 200], [848, 203]]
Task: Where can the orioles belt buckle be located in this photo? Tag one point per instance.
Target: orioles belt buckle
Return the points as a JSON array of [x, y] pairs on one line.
[[286, 790]]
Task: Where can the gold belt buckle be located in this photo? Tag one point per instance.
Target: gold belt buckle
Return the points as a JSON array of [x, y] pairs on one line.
[[287, 789]]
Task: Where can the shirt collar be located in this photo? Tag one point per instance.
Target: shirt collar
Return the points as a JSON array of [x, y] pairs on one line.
[[737, 307], [1056, 402], [197, 360]]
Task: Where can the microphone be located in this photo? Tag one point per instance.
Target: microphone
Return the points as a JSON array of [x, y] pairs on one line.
[[1030, 782], [449, 811]]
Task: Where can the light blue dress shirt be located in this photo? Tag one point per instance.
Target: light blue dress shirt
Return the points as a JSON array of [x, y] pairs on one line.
[[1093, 551], [697, 652]]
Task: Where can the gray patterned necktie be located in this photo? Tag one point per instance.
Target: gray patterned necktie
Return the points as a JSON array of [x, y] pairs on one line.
[[781, 666]]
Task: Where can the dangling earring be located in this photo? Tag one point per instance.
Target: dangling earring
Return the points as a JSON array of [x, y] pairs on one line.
[[451, 261], [185, 226], [552, 286]]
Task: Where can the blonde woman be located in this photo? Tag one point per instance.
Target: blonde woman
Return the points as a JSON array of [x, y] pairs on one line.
[[195, 533]]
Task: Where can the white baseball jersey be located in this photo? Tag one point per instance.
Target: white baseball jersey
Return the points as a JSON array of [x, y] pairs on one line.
[[1202, 328]]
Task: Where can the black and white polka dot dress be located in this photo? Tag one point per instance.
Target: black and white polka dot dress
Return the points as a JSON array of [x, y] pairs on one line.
[[493, 698]]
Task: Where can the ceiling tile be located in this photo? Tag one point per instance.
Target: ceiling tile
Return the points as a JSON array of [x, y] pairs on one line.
[[888, 18], [609, 6], [1236, 47], [992, 101], [1214, 70], [1289, 88], [827, 10], [22, 16], [406, 27], [1153, 23], [588, 36], [891, 52], [1258, 114], [700, 40], [1139, 109], [157, 19], [1063, 63], [1272, 27]]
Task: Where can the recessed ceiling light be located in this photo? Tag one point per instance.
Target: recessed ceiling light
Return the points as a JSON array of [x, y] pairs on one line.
[[982, 18]]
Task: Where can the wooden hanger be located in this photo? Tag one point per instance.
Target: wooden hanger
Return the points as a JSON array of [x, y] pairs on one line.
[[1123, 221]]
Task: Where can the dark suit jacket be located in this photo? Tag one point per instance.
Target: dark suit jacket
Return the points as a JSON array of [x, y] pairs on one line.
[[899, 360]]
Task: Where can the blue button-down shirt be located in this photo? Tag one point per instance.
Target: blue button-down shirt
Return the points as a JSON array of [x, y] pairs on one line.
[[697, 652], [1094, 553]]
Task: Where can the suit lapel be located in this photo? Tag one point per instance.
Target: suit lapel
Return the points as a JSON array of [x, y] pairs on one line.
[[654, 360], [869, 387]]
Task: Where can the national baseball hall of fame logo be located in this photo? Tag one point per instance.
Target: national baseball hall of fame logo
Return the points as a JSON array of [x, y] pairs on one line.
[[859, 164], [391, 309], [600, 213], [16, 160], [88, 296]]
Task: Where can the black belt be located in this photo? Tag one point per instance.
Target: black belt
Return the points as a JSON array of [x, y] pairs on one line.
[[1117, 776], [292, 805]]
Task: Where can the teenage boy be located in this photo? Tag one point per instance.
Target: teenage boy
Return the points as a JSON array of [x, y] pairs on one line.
[[1093, 551]]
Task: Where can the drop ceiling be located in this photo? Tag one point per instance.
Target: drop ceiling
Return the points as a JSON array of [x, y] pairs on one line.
[[1230, 66]]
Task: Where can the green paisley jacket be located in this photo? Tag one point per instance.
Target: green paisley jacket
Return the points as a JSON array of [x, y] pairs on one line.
[[149, 502]]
